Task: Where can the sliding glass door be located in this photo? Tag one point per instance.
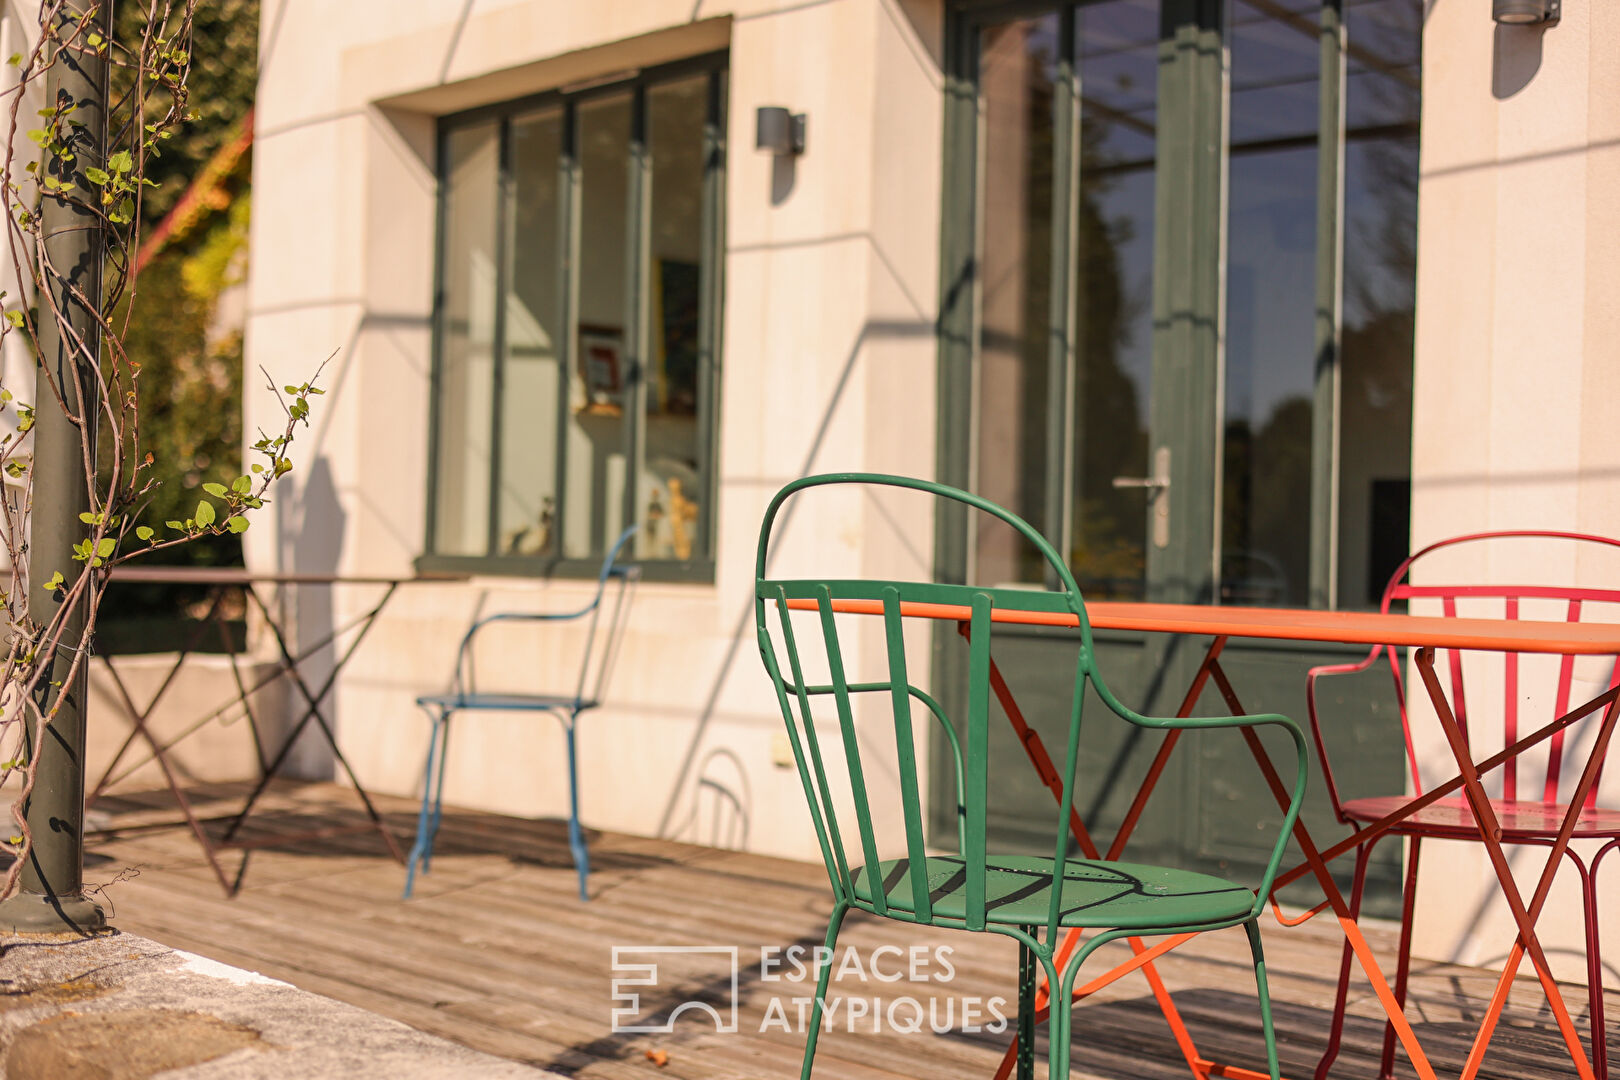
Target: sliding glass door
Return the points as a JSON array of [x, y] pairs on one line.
[[1153, 209]]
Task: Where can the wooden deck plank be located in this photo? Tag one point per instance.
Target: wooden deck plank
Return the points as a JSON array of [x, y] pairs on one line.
[[497, 952]]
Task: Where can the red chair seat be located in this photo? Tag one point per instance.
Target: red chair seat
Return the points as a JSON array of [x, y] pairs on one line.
[[1453, 818]]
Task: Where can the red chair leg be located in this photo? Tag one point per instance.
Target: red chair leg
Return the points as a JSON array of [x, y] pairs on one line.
[[1403, 966], [1594, 965], [1336, 1031]]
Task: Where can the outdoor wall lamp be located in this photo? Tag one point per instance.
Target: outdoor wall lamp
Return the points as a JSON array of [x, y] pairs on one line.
[[778, 130], [1525, 12]]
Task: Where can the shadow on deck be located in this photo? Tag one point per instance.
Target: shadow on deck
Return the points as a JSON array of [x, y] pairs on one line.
[[496, 952]]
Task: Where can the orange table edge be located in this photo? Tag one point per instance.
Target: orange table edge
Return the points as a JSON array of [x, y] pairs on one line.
[[1289, 624]]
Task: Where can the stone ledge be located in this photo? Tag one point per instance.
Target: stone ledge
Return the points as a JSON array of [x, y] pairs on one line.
[[120, 1007]]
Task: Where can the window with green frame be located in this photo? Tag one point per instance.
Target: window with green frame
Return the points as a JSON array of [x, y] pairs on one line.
[[576, 327], [1179, 291]]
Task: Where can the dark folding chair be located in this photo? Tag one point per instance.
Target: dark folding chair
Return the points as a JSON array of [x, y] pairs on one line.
[[601, 646]]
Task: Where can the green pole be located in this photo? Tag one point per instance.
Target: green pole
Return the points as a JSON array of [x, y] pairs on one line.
[[50, 897]]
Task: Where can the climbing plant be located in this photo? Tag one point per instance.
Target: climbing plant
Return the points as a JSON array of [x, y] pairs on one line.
[[95, 163]]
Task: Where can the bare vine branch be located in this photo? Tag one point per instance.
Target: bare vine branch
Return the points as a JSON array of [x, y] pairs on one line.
[[120, 487]]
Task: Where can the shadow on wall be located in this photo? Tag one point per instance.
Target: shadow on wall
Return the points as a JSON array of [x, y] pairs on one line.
[[688, 773], [317, 546], [722, 804]]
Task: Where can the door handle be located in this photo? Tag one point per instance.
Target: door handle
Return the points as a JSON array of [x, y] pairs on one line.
[[1157, 486]]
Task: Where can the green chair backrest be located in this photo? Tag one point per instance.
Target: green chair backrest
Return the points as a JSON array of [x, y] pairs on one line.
[[795, 696]]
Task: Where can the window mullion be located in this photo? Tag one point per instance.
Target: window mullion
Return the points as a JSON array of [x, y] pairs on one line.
[[1061, 338], [637, 209], [710, 278], [503, 280], [1329, 310], [568, 227], [436, 376]]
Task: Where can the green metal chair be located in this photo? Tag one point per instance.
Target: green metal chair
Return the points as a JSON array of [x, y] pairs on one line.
[[1019, 896]]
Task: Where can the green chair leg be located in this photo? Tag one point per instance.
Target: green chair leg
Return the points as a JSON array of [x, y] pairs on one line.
[[822, 980], [1059, 1021], [1026, 1010], [1253, 927]]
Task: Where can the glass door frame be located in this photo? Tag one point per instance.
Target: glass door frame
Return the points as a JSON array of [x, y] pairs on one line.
[[1188, 289]]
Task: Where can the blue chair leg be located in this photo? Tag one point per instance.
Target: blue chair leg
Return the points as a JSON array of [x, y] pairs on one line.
[[576, 835], [423, 835]]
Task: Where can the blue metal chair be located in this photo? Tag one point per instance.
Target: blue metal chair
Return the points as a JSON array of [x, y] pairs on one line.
[[602, 639]]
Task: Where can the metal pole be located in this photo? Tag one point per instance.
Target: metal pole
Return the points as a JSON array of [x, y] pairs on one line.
[[50, 898]]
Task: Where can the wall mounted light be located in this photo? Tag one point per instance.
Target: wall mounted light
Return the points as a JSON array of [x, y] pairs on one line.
[[778, 131], [1525, 12]]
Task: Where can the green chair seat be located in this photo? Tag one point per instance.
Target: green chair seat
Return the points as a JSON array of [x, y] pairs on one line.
[[1018, 891]]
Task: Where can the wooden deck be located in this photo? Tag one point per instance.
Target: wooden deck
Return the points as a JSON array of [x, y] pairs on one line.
[[496, 952]]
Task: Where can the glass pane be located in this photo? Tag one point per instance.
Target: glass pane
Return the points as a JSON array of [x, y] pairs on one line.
[[1017, 65], [1380, 273], [594, 514], [1270, 307], [671, 487], [466, 342], [1117, 48], [528, 509]]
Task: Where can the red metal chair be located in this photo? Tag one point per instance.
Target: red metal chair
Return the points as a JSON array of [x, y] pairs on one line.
[[1532, 820]]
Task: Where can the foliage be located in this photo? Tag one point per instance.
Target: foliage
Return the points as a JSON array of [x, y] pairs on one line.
[[191, 393], [77, 188], [191, 385], [221, 82]]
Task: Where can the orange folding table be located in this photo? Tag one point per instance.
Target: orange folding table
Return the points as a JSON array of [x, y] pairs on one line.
[[1425, 634]]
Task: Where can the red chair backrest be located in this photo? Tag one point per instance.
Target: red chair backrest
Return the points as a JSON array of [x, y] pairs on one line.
[[1575, 601]]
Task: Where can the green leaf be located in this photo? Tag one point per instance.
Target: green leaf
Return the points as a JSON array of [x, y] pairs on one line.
[[16, 59], [290, 389], [242, 485], [40, 136], [120, 162], [216, 490], [205, 514], [96, 176], [15, 469], [258, 468], [144, 532], [90, 519], [55, 582], [238, 524], [5, 395], [107, 546], [283, 466], [176, 525], [15, 318]]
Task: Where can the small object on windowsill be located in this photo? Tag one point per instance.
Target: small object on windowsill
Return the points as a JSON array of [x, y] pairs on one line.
[[683, 513], [659, 1058]]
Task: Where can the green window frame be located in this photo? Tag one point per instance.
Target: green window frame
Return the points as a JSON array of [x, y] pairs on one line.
[[642, 347], [1190, 302]]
